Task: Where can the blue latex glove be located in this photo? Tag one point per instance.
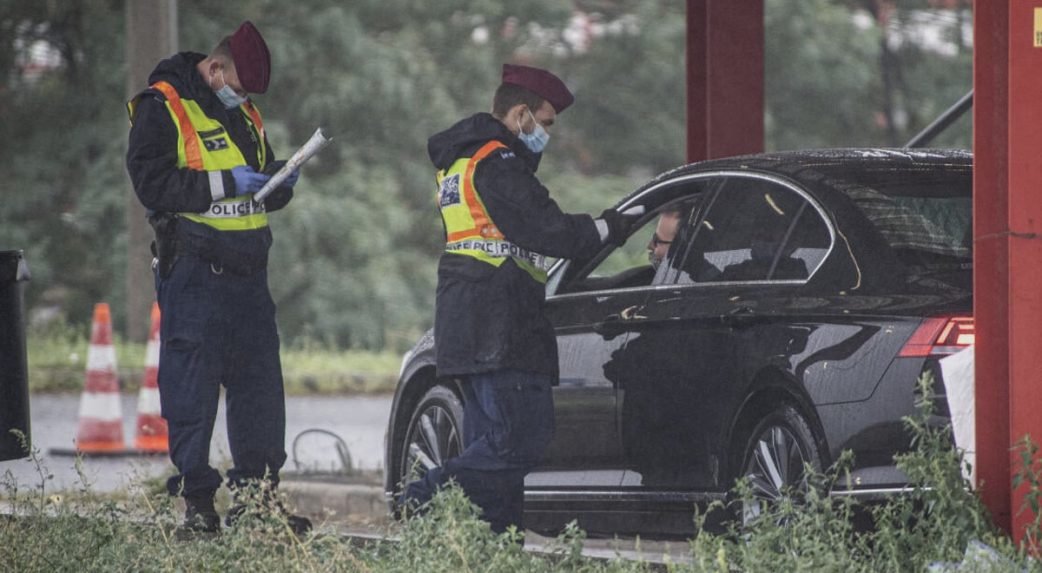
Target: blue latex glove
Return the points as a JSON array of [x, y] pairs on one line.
[[292, 179], [247, 180], [273, 168]]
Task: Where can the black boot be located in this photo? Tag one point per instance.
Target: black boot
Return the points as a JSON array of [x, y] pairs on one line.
[[201, 519], [252, 502]]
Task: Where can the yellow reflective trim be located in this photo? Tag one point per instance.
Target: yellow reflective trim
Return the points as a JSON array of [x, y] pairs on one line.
[[244, 223], [536, 273], [459, 218], [224, 155], [220, 159], [481, 256], [232, 214], [253, 118]]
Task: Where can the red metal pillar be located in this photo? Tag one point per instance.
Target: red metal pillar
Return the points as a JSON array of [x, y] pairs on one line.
[[1025, 231], [1008, 238], [991, 254], [725, 42]]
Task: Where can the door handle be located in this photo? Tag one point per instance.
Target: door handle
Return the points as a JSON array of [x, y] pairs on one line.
[[632, 313], [615, 324], [610, 327], [744, 316]]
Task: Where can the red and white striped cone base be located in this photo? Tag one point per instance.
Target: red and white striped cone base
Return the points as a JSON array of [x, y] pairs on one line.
[[101, 413], [151, 427]]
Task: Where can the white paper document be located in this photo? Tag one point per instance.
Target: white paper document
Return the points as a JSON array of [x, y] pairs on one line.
[[317, 142]]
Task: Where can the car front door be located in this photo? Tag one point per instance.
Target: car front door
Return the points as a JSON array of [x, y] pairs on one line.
[[592, 306], [587, 313], [687, 363]]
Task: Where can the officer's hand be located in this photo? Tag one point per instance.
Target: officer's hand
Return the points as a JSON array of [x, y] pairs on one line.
[[273, 168], [291, 180], [247, 180], [618, 226]]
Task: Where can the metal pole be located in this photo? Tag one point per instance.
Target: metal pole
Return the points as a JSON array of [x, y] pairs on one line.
[[991, 271], [151, 36], [725, 94], [950, 116], [1024, 239]]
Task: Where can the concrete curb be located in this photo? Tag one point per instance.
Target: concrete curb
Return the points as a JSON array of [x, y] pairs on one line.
[[331, 501]]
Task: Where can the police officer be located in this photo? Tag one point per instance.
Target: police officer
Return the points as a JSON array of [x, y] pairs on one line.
[[490, 332], [197, 154]]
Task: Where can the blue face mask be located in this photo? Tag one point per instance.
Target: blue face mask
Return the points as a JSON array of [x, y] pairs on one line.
[[227, 95], [535, 141]]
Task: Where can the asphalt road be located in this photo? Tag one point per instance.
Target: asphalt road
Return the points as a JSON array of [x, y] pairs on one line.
[[360, 421]]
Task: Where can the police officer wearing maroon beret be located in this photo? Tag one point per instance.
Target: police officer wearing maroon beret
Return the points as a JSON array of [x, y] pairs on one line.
[[490, 331], [197, 155]]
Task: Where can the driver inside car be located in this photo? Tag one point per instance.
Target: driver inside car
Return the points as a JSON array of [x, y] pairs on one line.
[[662, 237]]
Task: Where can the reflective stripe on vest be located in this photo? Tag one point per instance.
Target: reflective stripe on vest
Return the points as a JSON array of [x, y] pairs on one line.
[[468, 227], [500, 249], [203, 144]]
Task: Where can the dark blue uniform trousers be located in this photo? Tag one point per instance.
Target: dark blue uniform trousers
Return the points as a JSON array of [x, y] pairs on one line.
[[218, 328], [508, 420]]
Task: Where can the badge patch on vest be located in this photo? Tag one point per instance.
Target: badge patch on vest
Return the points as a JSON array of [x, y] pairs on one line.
[[448, 194], [215, 144]]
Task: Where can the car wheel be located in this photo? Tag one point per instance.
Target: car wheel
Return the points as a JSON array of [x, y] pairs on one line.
[[434, 434], [775, 458]]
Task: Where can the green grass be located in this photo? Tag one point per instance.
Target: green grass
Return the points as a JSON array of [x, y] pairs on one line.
[[57, 357], [134, 531], [940, 525]]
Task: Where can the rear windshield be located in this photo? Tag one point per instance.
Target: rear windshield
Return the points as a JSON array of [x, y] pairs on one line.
[[925, 217]]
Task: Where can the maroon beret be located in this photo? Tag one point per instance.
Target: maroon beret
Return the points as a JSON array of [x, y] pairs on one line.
[[540, 82], [251, 57]]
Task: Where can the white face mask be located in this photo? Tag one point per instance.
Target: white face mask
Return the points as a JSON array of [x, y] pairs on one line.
[[535, 141], [227, 95]]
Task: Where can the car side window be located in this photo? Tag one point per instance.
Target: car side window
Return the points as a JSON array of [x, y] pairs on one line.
[[625, 267], [635, 263], [753, 230]]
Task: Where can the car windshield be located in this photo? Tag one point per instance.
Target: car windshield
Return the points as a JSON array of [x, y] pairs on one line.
[[925, 217]]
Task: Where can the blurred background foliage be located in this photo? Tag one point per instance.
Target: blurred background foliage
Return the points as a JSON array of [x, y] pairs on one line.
[[355, 255]]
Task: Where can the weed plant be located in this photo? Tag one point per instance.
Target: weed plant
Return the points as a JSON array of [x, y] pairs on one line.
[[928, 528], [933, 527]]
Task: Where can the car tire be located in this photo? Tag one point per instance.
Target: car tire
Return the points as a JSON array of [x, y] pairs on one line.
[[434, 434], [773, 460]]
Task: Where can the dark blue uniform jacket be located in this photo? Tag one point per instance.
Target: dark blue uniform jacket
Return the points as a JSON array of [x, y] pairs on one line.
[[491, 318], [164, 188]]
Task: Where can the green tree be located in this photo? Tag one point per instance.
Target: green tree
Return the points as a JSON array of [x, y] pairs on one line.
[[863, 72], [355, 253], [63, 137]]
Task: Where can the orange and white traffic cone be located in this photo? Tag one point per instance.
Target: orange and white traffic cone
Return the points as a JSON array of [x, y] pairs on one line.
[[101, 414], [151, 427]]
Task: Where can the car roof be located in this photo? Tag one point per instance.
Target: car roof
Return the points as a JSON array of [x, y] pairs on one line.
[[831, 160]]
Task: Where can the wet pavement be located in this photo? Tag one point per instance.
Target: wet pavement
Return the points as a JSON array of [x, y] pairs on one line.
[[313, 427]]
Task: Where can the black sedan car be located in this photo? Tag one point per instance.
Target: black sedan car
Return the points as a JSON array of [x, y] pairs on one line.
[[792, 311]]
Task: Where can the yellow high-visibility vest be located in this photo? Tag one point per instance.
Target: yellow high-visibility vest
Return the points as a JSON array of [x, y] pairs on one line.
[[204, 145], [469, 228]]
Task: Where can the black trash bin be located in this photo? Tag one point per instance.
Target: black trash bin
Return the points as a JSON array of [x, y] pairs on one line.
[[14, 369]]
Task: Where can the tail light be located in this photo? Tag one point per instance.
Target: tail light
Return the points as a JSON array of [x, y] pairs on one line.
[[940, 336]]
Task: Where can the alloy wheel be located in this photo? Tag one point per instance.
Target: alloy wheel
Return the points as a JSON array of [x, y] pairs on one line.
[[776, 467], [434, 436]]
